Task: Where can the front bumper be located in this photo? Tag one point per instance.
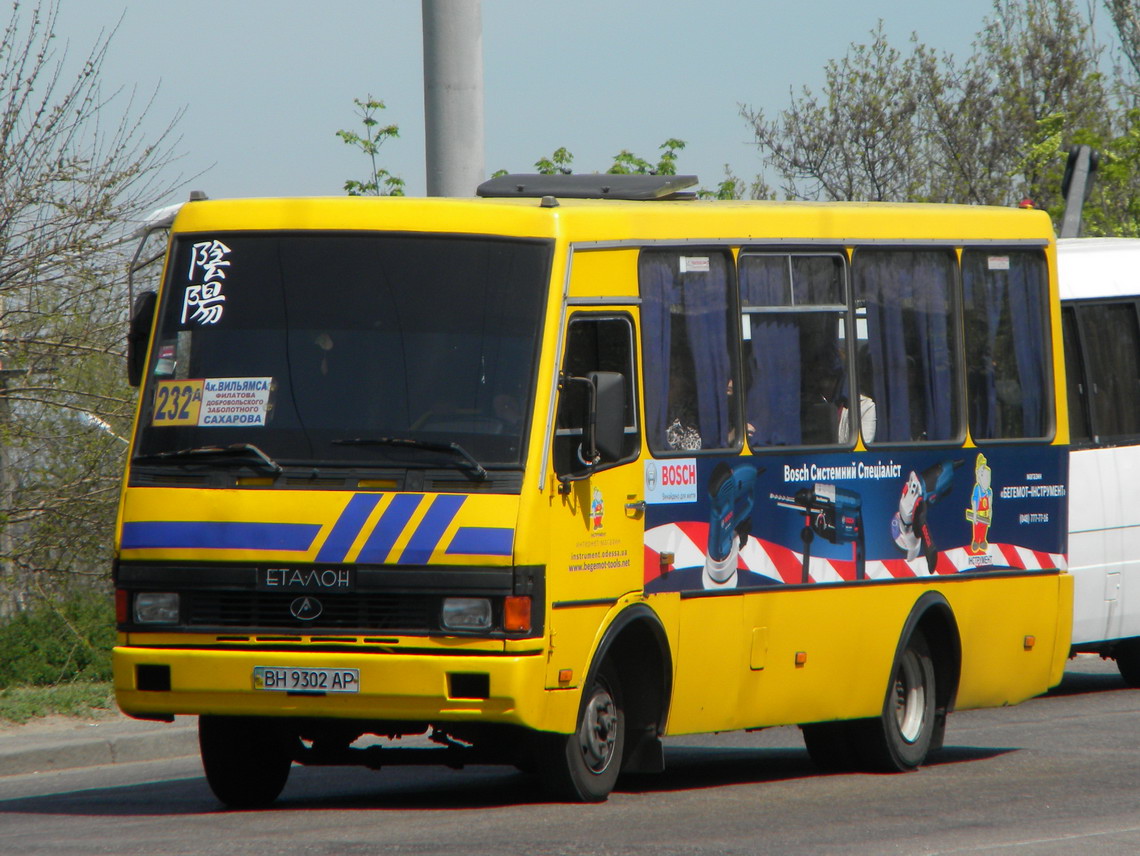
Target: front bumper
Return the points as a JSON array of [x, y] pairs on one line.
[[393, 687]]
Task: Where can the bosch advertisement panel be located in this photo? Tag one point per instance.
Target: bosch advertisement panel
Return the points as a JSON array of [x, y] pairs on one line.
[[722, 524]]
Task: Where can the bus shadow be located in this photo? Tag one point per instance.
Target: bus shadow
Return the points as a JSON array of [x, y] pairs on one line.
[[317, 789], [697, 768], [965, 754], [1079, 683]]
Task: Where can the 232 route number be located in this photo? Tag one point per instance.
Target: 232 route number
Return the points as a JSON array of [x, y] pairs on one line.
[[177, 402]]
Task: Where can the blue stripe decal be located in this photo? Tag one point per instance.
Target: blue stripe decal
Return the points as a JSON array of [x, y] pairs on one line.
[[202, 534], [481, 541], [347, 527], [431, 529], [389, 527]]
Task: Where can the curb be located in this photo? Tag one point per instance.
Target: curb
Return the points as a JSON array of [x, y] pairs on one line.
[[97, 744]]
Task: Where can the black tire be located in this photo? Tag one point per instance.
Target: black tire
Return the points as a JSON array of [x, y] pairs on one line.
[[1127, 656], [246, 759], [900, 739], [584, 766]]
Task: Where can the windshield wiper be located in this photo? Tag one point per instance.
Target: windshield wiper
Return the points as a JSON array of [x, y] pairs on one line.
[[467, 462], [236, 453]]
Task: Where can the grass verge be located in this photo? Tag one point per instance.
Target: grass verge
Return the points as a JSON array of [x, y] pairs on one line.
[[82, 699]]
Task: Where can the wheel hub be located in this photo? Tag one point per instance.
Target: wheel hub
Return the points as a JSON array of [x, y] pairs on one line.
[[599, 732], [910, 697]]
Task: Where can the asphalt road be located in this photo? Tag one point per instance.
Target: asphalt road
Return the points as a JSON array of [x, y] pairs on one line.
[[1059, 774]]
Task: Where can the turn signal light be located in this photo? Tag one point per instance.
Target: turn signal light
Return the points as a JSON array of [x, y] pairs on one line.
[[121, 600], [516, 614]]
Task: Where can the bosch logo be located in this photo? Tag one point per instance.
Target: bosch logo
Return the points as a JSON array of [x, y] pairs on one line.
[[671, 481], [306, 608], [676, 475]]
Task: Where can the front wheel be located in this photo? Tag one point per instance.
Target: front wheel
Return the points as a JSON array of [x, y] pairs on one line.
[[901, 737], [246, 759], [584, 766]]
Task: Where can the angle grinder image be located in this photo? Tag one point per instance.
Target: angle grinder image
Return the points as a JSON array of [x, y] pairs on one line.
[[909, 527]]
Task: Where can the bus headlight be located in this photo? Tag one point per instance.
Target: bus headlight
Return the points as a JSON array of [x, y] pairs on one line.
[[466, 613], [156, 608]]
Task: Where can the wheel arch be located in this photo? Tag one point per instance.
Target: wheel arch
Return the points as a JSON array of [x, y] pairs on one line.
[[933, 615], [638, 647]]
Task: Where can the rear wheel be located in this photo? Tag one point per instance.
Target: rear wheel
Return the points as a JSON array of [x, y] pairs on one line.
[[246, 759], [584, 766], [901, 737], [1127, 655]]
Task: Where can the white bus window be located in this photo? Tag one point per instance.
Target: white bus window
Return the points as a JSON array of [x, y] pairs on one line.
[[1111, 339], [911, 330], [794, 365], [1007, 351], [1079, 434], [689, 342]]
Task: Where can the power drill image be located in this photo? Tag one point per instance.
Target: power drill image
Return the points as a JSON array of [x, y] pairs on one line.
[[834, 514]]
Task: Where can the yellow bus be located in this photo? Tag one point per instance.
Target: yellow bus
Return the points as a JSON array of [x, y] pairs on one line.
[[544, 476]]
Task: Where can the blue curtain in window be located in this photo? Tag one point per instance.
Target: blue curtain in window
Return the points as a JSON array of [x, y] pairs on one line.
[[706, 322], [773, 400], [659, 293], [1029, 346], [908, 327], [997, 300], [985, 297], [933, 318]]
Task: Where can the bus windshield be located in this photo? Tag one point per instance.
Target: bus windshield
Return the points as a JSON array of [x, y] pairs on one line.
[[345, 349]]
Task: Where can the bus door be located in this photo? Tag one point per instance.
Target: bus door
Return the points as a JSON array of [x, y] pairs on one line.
[[597, 509], [700, 492], [1092, 589], [1110, 351]]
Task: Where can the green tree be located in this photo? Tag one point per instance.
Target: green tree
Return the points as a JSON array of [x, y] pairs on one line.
[[559, 162], [922, 126], [380, 182], [627, 163], [75, 173], [1126, 19], [859, 140]]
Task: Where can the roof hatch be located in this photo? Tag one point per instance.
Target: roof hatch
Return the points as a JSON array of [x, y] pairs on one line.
[[589, 186]]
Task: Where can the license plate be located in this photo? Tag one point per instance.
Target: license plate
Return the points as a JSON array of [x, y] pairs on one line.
[[292, 679]]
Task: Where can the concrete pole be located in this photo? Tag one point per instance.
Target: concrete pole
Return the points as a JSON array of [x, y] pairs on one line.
[[453, 96], [1076, 192]]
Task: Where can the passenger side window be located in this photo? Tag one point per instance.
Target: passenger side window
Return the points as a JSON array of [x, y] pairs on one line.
[[1110, 335], [594, 343], [1005, 295], [689, 344], [797, 388], [905, 298]]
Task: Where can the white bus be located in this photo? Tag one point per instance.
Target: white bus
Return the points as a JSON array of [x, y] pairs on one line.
[[1100, 294]]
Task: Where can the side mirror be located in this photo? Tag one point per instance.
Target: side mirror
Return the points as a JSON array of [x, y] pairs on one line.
[[607, 414], [142, 320]]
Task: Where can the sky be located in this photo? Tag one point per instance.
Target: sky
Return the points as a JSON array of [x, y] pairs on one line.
[[265, 84]]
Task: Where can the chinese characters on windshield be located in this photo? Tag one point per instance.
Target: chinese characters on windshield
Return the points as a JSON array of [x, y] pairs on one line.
[[202, 302]]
